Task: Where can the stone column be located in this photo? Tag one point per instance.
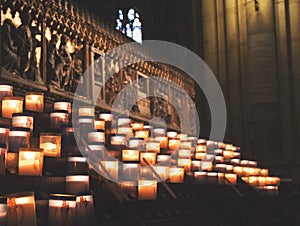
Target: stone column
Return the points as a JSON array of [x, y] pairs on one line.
[[284, 81], [262, 73], [294, 17], [234, 107]]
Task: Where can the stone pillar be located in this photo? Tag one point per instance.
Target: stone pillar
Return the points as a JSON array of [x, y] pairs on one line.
[[262, 73], [286, 123], [234, 107], [294, 17]]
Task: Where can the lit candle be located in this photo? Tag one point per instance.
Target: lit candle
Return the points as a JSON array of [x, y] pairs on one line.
[[4, 132], [136, 143], [22, 120], [118, 140], [142, 134], [130, 155], [164, 160], [137, 126], [196, 165], [201, 148], [18, 138], [99, 124], [153, 146], [112, 168], [63, 106], [147, 189], [58, 118], [221, 178], [185, 144], [231, 177], [162, 171], [98, 136], [77, 165], [84, 210], [184, 153], [218, 152], [206, 165], [219, 159], [238, 170], [236, 155], [2, 158], [182, 136], [126, 131], [252, 164], [31, 161], [61, 210], [124, 122], [253, 181], [51, 143], [229, 168], [11, 105], [220, 167], [130, 171], [77, 183], [185, 163], [34, 101], [271, 190], [200, 177], [106, 117], [176, 174], [149, 156], [159, 132], [3, 211], [21, 209], [244, 162], [86, 111], [172, 134], [201, 141], [11, 162], [235, 161], [173, 143], [5, 91], [264, 172], [228, 154], [163, 142], [212, 177], [200, 155]]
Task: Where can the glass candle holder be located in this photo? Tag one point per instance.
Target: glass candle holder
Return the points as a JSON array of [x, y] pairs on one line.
[[77, 165], [112, 167], [34, 101], [264, 172], [86, 125], [200, 177], [4, 132], [200, 155], [18, 138], [124, 122], [144, 134], [137, 125], [51, 143], [98, 136], [185, 163], [130, 155], [163, 141], [130, 171], [196, 165], [164, 160], [86, 111], [2, 158], [99, 124], [136, 143], [11, 105], [184, 153], [159, 132], [3, 211], [31, 161], [212, 177], [5, 91], [206, 165], [162, 171], [149, 156], [21, 209], [106, 117], [22, 120], [185, 145], [231, 178], [174, 143], [126, 131], [182, 136], [228, 154], [118, 140], [153, 146], [238, 170], [61, 210], [220, 167], [147, 189], [172, 134], [201, 148], [176, 174], [221, 178], [12, 162], [77, 183], [95, 151], [84, 213], [63, 106], [58, 118]]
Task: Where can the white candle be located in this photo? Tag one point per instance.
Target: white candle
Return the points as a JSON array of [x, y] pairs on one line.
[[124, 122], [147, 189], [22, 120], [21, 209], [11, 105], [172, 134], [136, 143], [5, 91], [63, 106], [159, 132], [106, 117], [51, 143], [31, 161], [61, 210], [76, 184], [34, 102]]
